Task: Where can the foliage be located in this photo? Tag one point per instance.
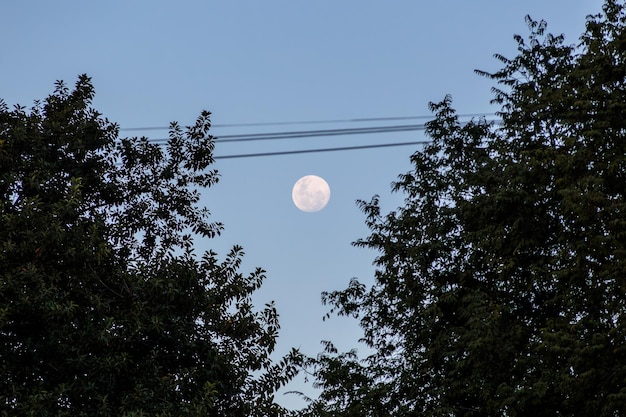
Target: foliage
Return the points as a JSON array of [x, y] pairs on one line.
[[500, 285], [105, 310]]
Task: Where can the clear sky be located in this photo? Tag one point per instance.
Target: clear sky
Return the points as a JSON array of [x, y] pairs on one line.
[[247, 61]]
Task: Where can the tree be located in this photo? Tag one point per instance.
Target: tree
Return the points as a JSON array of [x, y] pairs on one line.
[[105, 310], [500, 284]]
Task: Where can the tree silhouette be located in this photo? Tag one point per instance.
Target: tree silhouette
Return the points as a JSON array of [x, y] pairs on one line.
[[500, 284], [105, 310]]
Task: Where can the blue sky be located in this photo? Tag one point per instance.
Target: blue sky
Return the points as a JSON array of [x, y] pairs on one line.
[[247, 61]]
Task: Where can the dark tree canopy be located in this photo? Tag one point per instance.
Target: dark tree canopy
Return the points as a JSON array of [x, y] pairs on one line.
[[501, 282], [105, 310]]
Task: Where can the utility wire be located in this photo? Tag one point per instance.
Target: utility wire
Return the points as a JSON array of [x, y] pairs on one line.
[[305, 122], [317, 150], [247, 137], [309, 133], [314, 133]]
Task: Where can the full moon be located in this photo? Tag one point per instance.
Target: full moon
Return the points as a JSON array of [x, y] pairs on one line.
[[310, 193]]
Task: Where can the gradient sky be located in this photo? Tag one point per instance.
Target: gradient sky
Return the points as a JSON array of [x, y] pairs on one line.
[[153, 62]]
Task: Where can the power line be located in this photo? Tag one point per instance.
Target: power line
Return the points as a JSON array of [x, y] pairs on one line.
[[305, 122], [317, 150], [310, 133], [314, 133]]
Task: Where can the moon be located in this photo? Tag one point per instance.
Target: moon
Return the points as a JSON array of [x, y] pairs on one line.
[[310, 193]]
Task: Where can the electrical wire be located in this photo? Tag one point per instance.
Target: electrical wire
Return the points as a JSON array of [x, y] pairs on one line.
[[318, 150], [305, 122], [309, 133], [314, 133]]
